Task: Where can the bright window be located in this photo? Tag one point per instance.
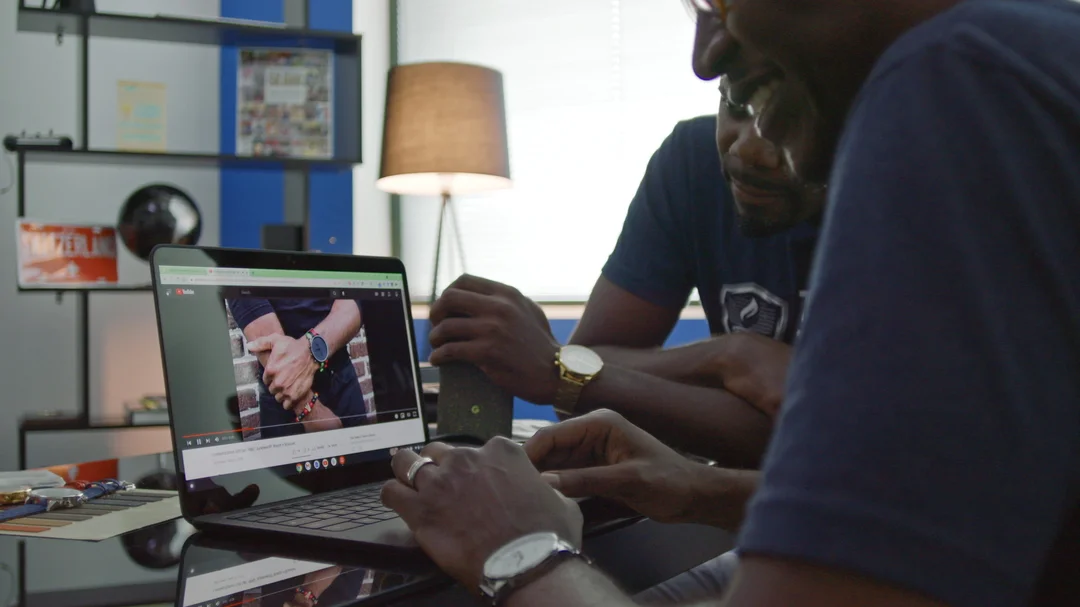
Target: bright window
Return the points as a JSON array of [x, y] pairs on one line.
[[592, 89]]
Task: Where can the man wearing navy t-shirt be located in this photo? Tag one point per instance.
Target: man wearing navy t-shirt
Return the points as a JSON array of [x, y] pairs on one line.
[[738, 227], [928, 451]]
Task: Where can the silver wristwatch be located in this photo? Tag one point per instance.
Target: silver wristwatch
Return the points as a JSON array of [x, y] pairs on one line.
[[57, 498], [522, 561]]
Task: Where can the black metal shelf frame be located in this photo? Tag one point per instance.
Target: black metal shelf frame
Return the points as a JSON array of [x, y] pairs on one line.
[[85, 25]]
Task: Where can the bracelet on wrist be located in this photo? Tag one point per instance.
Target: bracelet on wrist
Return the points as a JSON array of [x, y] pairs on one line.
[[307, 594], [308, 407]]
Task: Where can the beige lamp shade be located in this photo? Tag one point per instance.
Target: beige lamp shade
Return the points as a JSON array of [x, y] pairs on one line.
[[445, 130]]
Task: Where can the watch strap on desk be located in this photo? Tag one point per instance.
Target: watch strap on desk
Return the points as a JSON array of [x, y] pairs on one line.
[[90, 490], [20, 511], [96, 489]]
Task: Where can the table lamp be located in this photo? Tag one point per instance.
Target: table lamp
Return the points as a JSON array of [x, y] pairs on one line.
[[444, 135]]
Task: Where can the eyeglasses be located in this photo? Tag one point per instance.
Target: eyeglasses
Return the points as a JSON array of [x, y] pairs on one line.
[[717, 8]]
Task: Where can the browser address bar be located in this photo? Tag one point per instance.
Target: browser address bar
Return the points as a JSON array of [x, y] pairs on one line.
[[171, 279]]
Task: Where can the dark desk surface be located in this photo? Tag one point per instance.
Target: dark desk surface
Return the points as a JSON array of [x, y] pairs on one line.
[[172, 564]]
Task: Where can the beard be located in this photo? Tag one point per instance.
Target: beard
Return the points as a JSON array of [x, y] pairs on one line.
[[807, 205], [762, 222]]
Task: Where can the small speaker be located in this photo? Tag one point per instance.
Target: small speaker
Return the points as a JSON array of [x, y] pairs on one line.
[[77, 6], [470, 404], [283, 237]]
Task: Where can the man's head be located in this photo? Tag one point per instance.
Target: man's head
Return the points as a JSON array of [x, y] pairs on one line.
[[759, 139], [823, 49]]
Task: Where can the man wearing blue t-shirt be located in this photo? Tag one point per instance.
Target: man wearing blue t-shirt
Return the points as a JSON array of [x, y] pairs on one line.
[[743, 236], [928, 452]]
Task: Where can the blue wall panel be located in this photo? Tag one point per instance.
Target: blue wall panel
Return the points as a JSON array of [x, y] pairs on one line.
[[330, 211], [330, 193], [250, 196], [254, 196]]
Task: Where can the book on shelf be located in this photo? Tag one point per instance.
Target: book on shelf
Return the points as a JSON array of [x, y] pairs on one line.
[[148, 410], [64, 255]]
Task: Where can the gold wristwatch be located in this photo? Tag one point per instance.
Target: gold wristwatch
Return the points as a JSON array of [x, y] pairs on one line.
[[578, 366]]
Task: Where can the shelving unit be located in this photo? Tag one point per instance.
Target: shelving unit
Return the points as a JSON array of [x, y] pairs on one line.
[[84, 155], [176, 29], [347, 132]]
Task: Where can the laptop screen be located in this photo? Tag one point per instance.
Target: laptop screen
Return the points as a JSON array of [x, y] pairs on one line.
[[279, 378]]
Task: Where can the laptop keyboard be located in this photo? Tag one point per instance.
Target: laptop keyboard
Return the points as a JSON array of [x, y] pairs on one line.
[[336, 512]]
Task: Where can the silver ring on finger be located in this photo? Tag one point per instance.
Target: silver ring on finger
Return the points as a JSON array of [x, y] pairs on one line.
[[410, 476]]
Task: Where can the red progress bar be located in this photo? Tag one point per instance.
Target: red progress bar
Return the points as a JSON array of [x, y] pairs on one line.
[[213, 433]]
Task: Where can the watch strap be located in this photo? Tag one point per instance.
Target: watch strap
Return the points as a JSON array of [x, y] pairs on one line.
[[15, 512], [567, 394], [90, 489], [311, 335], [500, 592], [96, 489]]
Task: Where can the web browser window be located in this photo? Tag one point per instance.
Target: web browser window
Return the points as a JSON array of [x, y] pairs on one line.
[[288, 372]]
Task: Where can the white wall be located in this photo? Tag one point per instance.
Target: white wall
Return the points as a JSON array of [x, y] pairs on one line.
[[371, 207], [38, 361], [38, 81], [592, 89]]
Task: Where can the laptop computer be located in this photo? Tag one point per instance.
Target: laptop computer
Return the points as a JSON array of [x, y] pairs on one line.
[[292, 379]]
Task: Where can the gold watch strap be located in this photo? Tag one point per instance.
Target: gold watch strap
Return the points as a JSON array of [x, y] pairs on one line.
[[566, 397]]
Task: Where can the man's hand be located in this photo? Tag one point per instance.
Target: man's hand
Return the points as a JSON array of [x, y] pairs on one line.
[[471, 502], [496, 328], [603, 454], [289, 370], [750, 366], [321, 418]]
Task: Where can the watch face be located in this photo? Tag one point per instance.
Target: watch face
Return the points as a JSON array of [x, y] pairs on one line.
[[319, 348], [581, 360], [521, 555]]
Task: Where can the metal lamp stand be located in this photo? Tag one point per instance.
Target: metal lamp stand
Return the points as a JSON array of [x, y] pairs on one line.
[[447, 207]]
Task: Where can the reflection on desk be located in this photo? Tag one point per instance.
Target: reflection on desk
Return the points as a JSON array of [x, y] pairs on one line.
[[215, 573]]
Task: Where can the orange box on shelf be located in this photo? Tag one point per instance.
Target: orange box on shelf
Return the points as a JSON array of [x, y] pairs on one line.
[[65, 255]]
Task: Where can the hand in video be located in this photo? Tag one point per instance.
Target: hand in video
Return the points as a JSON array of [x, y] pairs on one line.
[[496, 328], [218, 499], [750, 366], [321, 418], [471, 502], [289, 369], [602, 454], [315, 584]]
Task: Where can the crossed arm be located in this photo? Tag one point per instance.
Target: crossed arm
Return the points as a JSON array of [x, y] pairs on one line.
[[675, 393], [289, 368]]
